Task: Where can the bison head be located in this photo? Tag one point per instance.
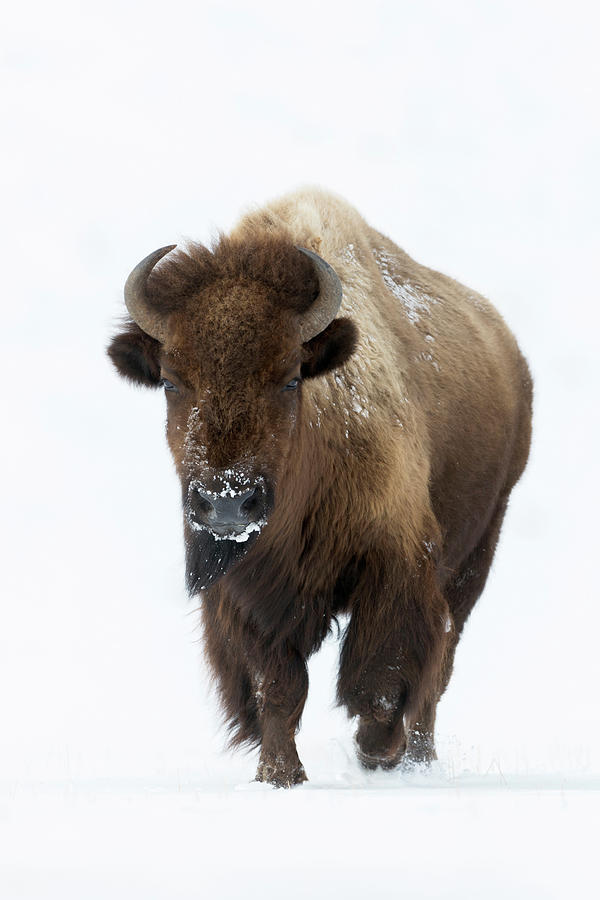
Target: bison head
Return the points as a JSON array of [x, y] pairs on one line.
[[231, 334]]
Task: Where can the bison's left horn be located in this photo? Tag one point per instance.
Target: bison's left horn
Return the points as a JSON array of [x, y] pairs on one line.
[[149, 320], [327, 304]]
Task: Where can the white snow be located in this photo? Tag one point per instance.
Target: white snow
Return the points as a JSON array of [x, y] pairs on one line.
[[239, 537], [358, 402], [467, 133], [416, 302], [385, 703], [239, 476], [429, 358], [349, 254]]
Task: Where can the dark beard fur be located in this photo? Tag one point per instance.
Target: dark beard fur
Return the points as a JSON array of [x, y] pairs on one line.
[[208, 560]]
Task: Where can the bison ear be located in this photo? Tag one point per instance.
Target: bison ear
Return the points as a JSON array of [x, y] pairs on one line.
[[329, 349], [135, 356]]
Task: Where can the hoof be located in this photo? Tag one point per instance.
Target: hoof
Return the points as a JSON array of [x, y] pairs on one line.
[[376, 747], [280, 776], [371, 762]]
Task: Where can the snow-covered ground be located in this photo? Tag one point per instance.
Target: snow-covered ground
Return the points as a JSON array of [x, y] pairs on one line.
[[346, 837], [469, 133]]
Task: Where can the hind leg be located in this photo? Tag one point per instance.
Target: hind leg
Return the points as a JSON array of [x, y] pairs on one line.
[[462, 592], [464, 589], [420, 745]]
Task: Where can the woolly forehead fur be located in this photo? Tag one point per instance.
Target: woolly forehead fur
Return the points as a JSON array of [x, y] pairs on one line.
[[267, 259], [234, 307]]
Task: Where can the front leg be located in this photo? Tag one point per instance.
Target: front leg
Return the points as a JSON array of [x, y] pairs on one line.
[[281, 686], [375, 692], [392, 658], [262, 689]]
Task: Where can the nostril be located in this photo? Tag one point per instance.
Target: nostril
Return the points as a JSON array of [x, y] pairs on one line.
[[204, 505], [251, 503], [201, 503]]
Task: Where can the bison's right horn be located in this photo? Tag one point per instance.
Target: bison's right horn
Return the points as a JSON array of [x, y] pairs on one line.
[[136, 302], [326, 306]]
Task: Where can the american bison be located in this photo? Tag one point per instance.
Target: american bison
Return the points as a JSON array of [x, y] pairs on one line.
[[347, 426]]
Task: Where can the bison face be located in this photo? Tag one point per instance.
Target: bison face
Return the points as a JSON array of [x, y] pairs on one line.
[[232, 413], [231, 336]]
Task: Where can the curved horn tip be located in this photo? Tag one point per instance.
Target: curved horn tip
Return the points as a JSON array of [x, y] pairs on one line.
[[135, 290], [326, 306], [157, 254]]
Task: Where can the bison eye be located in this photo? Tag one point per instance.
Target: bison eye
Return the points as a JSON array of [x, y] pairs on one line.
[[292, 385], [168, 385]]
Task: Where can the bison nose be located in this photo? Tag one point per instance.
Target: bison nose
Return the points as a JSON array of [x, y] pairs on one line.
[[227, 514]]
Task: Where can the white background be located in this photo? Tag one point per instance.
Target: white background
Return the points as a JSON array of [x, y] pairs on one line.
[[468, 132]]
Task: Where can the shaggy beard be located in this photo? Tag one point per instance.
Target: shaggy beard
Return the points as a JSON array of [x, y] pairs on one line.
[[209, 559]]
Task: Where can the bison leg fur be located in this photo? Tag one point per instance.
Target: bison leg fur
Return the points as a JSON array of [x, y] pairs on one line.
[[462, 591], [262, 690], [420, 744], [391, 668], [280, 689]]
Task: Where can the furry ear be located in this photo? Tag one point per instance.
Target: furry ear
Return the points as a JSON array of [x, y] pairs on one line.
[[329, 349], [135, 356]]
